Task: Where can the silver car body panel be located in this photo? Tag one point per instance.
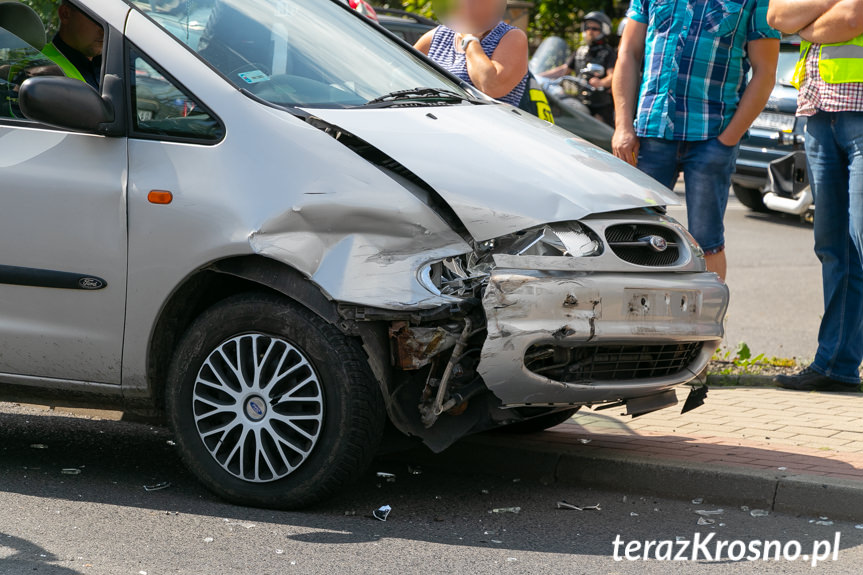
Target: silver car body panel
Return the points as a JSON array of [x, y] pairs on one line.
[[502, 170]]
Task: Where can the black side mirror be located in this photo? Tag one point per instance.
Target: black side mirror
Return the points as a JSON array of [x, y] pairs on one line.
[[65, 103]]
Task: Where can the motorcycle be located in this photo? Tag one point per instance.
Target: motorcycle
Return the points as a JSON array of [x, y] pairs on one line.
[[570, 96]]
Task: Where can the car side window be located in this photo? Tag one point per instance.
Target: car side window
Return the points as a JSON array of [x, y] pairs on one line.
[[164, 110], [19, 61]]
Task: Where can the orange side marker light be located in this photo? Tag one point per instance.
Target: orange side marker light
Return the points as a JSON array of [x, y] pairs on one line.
[[160, 197]]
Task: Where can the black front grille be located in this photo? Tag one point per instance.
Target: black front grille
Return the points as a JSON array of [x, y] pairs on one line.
[[631, 243], [610, 362]]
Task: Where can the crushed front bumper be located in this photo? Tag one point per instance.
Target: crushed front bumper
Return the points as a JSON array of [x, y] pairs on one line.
[[571, 338]]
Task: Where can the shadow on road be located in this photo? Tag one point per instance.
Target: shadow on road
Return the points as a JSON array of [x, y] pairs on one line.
[[22, 556]]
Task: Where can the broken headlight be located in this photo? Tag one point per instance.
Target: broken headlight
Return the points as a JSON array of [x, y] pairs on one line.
[[461, 276], [567, 239]]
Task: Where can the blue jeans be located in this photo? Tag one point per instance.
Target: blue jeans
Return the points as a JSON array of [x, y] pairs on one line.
[[707, 166], [834, 153]]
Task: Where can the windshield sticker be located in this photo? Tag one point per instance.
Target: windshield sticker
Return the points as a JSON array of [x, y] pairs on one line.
[[253, 77]]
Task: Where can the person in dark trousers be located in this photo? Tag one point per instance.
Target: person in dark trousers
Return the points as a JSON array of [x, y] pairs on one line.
[[829, 76], [77, 46], [691, 59], [595, 49]]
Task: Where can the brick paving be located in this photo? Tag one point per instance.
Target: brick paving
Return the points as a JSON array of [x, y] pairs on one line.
[[764, 428]]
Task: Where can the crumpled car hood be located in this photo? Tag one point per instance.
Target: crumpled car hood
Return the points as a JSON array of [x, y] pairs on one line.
[[499, 169]]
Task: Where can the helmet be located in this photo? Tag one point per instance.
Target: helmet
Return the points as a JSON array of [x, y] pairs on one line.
[[600, 17]]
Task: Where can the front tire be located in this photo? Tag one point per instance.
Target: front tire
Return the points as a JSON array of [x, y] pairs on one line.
[[271, 405]]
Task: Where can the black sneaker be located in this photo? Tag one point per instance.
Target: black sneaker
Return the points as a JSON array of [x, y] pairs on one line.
[[810, 380]]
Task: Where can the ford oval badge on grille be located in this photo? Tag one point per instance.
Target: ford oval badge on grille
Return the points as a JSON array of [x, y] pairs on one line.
[[657, 243]]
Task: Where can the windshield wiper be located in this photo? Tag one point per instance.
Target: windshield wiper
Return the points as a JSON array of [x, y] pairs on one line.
[[436, 94]]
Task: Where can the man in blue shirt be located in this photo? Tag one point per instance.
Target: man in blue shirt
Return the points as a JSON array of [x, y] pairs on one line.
[[694, 103]]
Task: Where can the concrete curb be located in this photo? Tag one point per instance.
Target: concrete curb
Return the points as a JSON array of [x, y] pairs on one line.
[[740, 380], [521, 456]]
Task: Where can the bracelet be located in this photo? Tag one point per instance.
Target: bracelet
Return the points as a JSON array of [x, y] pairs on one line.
[[466, 40]]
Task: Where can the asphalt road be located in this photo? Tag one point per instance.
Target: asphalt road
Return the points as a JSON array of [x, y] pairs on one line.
[[775, 282], [103, 521]]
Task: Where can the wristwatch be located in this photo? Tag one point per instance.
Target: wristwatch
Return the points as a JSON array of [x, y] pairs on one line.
[[466, 40]]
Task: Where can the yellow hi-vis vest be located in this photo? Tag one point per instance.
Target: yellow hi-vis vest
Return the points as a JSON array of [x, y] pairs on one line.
[[838, 63], [52, 53]]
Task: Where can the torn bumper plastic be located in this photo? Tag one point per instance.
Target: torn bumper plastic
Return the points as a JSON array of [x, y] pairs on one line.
[[570, 338]]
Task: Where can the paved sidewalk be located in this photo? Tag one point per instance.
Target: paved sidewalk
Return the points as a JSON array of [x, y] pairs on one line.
[[761, 446], [761, 428]]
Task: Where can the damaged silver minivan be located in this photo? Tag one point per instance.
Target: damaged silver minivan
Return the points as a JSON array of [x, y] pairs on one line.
[[281, 228]]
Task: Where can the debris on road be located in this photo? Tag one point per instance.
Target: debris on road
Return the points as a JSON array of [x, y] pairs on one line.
[[585, 441], [706, 521], [415, 470], [698, 501], [70, 471], [381, 513], [759, 513], [38, 446], [506, 510], [157, 486], [389, 477], [565, 505], [709, 512], [208, 539]]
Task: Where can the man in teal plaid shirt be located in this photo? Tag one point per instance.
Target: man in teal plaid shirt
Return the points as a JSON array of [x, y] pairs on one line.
[[694, 102]]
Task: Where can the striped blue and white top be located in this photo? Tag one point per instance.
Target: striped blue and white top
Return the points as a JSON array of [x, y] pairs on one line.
[[444, 53]]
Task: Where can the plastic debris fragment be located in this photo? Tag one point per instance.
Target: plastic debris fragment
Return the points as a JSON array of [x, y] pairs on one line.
[[280, 551], [782, 468], [744, 508], [157, 486], [698, 501], [70, 471], [858, 526], [38, 446], [585, 441], [706, 521], [208, 539], [823, 522], [709, 512], [171, 442], [565, 505], [633, 514], [484, 491], [506, 510], [389, 477], [759, 513], [381, 513]]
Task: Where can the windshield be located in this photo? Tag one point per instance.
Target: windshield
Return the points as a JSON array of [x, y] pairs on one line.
[[309, 53]]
